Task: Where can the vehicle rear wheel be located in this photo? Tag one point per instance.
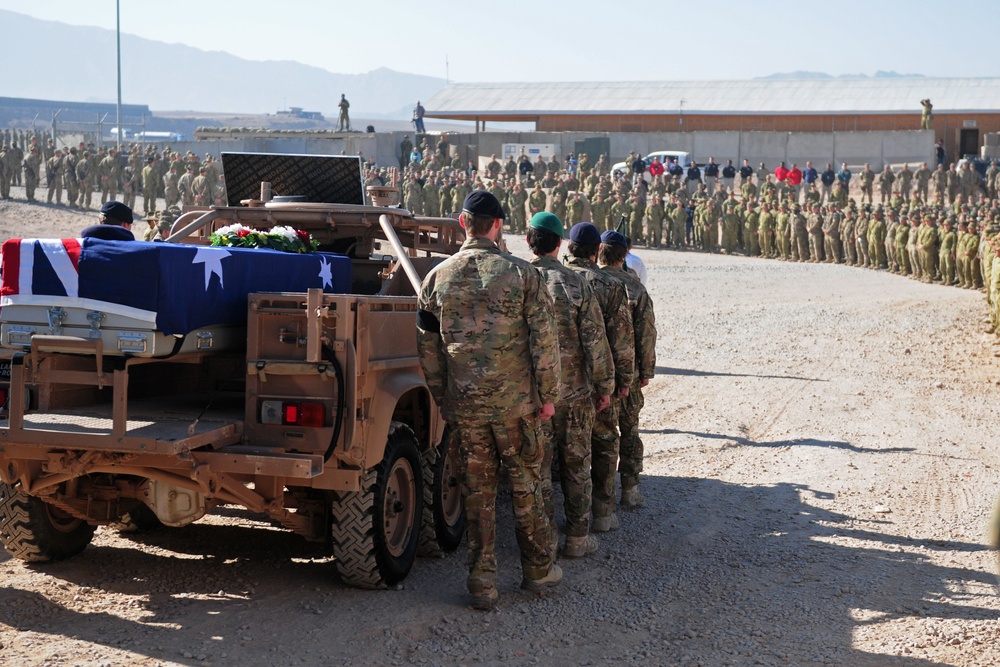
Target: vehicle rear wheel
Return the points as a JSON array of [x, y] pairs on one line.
[[444, 508], [36, 532], [375, 530]]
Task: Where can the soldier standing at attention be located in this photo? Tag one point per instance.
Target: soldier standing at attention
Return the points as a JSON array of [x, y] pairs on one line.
[[109, 169], [345, 120], [587, 382], [32, 171], [184, 186], [488, 347], [922, 177], [53, 174], [867, 181], [150, 184], [585, 241], [611, 257], [201, 188], [516, 200], [171, 193]]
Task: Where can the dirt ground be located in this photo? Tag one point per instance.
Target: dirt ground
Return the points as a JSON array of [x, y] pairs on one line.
[[820, 465]]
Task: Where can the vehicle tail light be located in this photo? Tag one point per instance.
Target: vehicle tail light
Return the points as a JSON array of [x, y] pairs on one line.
[[293, 413]]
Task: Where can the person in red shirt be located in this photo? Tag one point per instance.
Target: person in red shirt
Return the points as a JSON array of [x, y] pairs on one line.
[[780, 176], [655, 168], [794, 181]]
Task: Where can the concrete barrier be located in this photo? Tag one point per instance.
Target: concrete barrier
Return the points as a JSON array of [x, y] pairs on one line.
[[855, 148]]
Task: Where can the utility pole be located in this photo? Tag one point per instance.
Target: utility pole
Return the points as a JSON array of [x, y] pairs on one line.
[[118, 31], [447, 77]]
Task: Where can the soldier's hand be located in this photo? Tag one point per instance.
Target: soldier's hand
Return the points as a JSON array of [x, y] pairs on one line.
[[644, 382], [622, 393], [602, 402], [546, 411]]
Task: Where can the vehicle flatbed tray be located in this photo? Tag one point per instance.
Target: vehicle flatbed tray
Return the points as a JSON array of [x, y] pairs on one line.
[[169, 425]]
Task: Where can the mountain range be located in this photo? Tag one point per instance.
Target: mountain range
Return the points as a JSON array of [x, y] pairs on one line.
[[46, 60]]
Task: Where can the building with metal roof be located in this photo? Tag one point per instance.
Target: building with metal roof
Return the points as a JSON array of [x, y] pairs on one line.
[[963, 108]]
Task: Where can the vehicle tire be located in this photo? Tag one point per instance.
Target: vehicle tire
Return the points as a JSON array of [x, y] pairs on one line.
[[36, 532], [444, 508], [375, 530]]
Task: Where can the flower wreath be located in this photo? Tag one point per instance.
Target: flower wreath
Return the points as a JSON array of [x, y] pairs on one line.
[[285, 239]]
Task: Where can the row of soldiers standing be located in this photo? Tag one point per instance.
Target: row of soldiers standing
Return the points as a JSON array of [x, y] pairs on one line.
[[81, 170]]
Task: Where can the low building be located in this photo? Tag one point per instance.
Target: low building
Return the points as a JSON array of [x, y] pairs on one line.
[[964, 109]]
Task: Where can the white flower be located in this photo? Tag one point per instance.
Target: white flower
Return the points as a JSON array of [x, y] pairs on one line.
[[231, 229], [287, 232]]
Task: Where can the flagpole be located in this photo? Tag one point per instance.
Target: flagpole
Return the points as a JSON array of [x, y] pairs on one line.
[[118, 21]]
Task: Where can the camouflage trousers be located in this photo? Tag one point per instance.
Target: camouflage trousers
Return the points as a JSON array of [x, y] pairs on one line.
[[567, 438], [604, 459], [517, 444], [29, 187], [72, 191], [86, 193], [946, 264], [677, 231], [630, 450]]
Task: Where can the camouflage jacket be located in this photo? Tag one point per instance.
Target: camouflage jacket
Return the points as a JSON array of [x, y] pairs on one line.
[[486, 336], [643, 321], [584, 354], [613, 301]]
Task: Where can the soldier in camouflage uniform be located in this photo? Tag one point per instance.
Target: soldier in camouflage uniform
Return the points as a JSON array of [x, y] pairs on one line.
[[612, 298], [54, 176], [32, 173], [201, 188], [613, 249], [678, 223], [489, 350], [587, 382], [171, 193], [110, 171], [537, 199], [516, 201], [5, 172], [150, 184], [946, 256], [432, 197], [654, 220]]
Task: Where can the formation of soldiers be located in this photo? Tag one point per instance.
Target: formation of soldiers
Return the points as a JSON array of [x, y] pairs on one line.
[[78, 172], [557, 374], [937, 225]]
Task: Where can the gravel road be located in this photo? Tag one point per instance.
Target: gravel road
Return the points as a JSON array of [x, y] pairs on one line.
[[820, 465]]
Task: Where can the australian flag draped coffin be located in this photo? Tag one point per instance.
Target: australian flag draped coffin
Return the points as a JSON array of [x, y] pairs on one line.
[[176, 288]]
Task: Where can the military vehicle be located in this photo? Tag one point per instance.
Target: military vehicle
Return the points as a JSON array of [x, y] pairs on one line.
[[309, 406]]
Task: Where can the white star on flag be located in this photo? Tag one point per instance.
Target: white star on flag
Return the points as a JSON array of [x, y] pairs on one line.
[[212, 259], [325, 273]]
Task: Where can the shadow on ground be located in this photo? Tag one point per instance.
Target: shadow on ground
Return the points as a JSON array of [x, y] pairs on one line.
[[707, 572], [666, 370], [743, 441]]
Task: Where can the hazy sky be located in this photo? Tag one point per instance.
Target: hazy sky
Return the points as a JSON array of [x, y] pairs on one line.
[[559, 40]]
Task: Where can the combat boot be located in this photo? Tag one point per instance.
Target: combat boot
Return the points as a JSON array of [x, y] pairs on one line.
[[578, 547], [486, 600], [631, 498], [550, 580], [603, 524]]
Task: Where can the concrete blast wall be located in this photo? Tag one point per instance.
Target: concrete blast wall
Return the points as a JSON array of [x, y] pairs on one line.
[[855, 148]]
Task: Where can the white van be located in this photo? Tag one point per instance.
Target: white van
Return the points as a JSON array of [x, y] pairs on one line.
[[681, 157]]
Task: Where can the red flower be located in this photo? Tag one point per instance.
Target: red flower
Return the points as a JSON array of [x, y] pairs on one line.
[[302, 236], [243, 232]]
